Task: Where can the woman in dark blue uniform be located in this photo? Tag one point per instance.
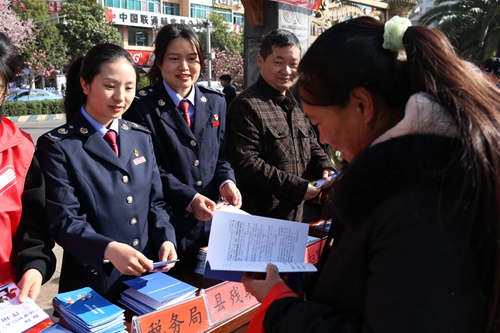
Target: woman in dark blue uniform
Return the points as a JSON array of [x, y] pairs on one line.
[[190, 144], [104, 199]]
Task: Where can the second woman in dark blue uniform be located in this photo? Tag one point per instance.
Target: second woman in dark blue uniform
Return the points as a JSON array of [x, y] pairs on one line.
[[190, 145], [104, 200]]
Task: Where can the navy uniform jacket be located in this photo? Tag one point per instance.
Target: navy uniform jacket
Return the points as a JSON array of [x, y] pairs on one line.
[[190, 161], [95, 197]]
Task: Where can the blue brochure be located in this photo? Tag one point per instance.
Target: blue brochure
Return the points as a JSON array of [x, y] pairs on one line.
[[158, 290], [85, 307]]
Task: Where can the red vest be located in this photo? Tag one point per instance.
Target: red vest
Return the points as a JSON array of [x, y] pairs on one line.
[[16, 154]]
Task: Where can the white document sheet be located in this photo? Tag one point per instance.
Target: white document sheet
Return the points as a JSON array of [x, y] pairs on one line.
[[247, 243]]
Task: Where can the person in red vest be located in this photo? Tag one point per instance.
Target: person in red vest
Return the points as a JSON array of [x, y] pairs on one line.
[[26, 255]]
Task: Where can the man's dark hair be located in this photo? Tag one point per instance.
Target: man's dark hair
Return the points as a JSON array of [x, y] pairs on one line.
[[278, 38], [225, 77]]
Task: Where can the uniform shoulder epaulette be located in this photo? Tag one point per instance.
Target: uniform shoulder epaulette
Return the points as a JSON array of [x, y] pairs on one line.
[[60, 133], [205, 88], [137, 126], [145, 93]]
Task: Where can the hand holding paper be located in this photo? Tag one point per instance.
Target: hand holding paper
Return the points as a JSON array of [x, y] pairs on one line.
[[260, 288]]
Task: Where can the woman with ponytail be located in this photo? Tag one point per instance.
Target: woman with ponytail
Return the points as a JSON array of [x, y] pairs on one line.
[[414, 242], [105, 205]]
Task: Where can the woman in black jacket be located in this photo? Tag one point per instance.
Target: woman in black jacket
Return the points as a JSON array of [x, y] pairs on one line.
[[414, 241], [26, 255]]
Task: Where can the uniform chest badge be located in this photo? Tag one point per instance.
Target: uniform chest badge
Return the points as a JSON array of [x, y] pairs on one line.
[[203, 99], [139, 160], [216, 121], [124, 126], [136, 153]]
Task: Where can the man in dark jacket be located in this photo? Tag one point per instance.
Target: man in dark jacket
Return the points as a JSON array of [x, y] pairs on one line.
[[270, 142], [229, 89]]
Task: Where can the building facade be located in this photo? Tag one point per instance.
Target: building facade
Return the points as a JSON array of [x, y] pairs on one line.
[[138, 20]]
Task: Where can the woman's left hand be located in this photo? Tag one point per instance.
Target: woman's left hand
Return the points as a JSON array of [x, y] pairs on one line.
[[260, 288], [167, 252], [30, 284], [231, 194]]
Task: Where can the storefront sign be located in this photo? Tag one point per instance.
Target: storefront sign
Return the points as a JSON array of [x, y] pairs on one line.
[[142, 19], [227, 4]]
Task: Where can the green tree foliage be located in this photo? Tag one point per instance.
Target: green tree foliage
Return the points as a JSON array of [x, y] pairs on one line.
[[473, 26], [221, 35], [51, 41], [31, 9], [87, 26]]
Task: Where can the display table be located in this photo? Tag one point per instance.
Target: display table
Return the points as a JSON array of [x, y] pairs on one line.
[[220, 307]]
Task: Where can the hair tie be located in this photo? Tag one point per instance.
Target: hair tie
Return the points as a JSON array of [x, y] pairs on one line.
[[394, 30]]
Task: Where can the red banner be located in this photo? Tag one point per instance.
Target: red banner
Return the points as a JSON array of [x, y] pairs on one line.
[[309, 4], [140, 57]]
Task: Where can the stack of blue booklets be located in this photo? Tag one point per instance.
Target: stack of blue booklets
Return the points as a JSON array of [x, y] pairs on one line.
[[84, 310], [154, 292]]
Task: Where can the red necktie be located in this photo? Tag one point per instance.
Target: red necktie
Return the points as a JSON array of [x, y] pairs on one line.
[[110, 137], [184, 107]]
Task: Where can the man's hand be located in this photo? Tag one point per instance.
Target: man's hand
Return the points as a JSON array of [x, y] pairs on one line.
[[312, 192], [231, 194], [327, 173], [202, 207], [167, 252], [126, 259], [260, 288], [30, 284]]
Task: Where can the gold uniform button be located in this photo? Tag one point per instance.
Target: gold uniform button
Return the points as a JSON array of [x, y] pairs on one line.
[[193, 143], [135, 242], [132, 221], [125, 179], [196, 162], [130, 199], [199, 183]]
